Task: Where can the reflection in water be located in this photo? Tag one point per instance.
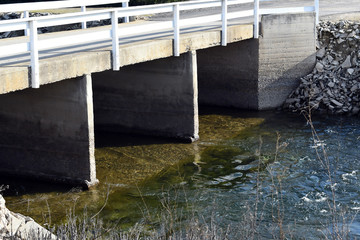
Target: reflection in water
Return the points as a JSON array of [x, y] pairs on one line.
[[219, 174]]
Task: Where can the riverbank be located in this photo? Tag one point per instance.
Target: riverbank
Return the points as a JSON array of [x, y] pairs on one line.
[[16, 226]]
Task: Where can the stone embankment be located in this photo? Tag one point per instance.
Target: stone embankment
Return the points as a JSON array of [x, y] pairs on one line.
[[16, 226], [334, 85]]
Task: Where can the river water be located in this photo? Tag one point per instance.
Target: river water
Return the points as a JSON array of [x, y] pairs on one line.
[[245, 163]]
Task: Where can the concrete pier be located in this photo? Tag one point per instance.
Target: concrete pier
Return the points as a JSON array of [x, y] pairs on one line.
[[48, 133], [259, 73], [156, 98]]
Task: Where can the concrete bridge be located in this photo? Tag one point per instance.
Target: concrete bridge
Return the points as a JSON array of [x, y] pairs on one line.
[[146, 77]]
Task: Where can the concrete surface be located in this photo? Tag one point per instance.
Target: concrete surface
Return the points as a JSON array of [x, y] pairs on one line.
[[259, 74], [287, 51], [48, 133], [228, 75], [157, 98]]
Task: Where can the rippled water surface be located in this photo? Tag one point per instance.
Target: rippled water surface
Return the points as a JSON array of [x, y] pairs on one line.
[[242, 158]]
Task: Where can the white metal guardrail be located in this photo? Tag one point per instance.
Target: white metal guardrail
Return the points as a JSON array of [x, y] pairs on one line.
[[26, 7], [34, 43]]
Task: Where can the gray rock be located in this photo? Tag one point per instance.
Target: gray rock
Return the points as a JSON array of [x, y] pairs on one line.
[[352, 34], [354, 88], [347, 62], [331, 84], [340, 40], [336, 103], [330, 58], [319, 67], [335, 62], [321, 53], [350, 71]]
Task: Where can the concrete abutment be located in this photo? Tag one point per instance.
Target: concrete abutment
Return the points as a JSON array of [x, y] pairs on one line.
[[156, 98], [259, 73], [48, 133]]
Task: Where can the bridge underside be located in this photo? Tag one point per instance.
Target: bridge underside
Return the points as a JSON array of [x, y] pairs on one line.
[[157, 98], [49, 132]]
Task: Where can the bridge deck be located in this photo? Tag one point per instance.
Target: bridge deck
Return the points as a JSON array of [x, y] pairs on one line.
[[74, 61], [63, 63]]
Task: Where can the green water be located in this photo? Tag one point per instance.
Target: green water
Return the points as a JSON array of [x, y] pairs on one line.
[[218, 177], [125, 165]]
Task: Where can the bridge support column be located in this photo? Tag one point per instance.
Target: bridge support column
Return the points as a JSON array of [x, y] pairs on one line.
[[48, 132], [259, 73], [228, 75], [156, 98]]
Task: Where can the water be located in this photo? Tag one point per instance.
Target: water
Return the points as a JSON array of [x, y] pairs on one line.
[[243, 158]]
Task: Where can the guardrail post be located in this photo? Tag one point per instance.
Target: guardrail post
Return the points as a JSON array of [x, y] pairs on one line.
[[224, 23], [125, 5], [115, 41], [83, 24], [34, 54], [317, 11], [176, 26], [256, 18], [27, 30]]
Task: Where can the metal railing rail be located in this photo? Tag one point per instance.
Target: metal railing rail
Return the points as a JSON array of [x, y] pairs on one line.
[[34, 43], [21, 7], [27, 7]]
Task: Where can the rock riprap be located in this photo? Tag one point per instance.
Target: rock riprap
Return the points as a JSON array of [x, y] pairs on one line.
[[16, 226], [334, 85]]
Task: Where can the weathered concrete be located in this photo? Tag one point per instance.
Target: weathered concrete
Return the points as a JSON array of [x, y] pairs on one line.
[[287, 52], [49, 133], [259, 74], [157, 97]]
